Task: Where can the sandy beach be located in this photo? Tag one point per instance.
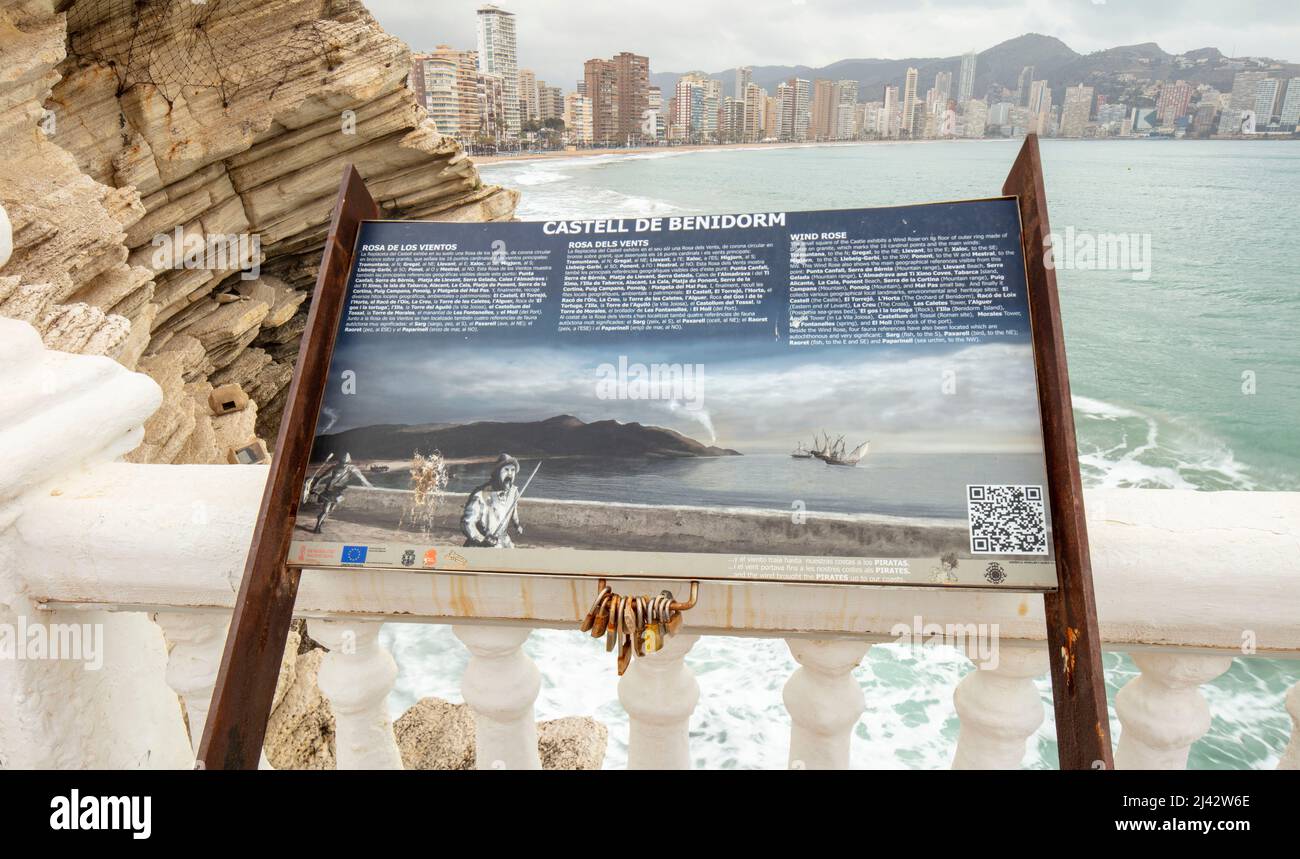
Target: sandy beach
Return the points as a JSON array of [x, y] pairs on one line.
[[484, 160], [375, 516]]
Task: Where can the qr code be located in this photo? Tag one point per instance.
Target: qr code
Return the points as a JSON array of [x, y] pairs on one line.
[[1006, 520]]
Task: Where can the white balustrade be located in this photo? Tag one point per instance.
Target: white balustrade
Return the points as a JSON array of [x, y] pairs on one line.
[[197, 640], [1162, 711], [1000, 708], [80, 532], [500, 686], [659, 693], [355, 677], [824, 701]]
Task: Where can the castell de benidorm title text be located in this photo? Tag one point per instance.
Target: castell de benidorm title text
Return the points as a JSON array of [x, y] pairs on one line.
[[658, 225]]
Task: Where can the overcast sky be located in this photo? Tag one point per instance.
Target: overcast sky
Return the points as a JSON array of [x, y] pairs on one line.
[[754, 405], [556, 36]]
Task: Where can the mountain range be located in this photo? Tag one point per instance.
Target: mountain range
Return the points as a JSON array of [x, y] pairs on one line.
[[562, 435], [1118, 73]]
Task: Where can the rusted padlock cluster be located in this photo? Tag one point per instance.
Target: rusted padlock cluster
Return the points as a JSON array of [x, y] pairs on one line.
[[635, 625]]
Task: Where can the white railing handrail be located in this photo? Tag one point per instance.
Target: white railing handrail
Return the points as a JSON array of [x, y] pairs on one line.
[[1206, 571]]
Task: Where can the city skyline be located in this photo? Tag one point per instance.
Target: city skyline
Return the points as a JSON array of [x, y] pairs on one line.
[[556, 38], [618, 101]]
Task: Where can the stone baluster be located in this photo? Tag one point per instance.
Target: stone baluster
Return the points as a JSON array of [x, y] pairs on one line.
[[197, 639], [1291, 756], [824, 701], [659, 693], [500, 685], [355, 677], [1162, 711], [999, 707]]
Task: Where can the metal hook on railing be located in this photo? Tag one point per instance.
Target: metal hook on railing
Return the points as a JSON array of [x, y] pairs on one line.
[[601, 584], [690, 603]]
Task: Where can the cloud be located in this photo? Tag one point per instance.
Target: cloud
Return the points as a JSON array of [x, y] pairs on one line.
[[556, 36], [896, 399]]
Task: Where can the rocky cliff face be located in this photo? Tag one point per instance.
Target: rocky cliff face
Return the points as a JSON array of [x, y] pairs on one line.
[[169, 169]]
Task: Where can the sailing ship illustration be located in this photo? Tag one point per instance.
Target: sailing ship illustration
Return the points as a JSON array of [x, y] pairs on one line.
[[837, 456], [832, 452], [821, 448]]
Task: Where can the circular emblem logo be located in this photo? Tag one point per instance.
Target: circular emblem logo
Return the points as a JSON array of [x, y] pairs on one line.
[[995, 574], [408, 557]]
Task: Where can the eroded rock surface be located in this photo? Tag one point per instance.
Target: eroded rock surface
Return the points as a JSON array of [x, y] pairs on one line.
[[153, 150], [437, 735]]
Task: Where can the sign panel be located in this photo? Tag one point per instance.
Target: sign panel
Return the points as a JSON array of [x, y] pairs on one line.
[[838, 397]]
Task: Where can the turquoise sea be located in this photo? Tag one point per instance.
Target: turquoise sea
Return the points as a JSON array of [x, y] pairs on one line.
[[1186, 376]]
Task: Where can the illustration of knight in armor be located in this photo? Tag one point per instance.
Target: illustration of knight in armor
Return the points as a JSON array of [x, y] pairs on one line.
[[327, 487], [493, 507]]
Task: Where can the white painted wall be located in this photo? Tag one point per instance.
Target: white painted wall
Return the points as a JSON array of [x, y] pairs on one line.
[[64, 415]]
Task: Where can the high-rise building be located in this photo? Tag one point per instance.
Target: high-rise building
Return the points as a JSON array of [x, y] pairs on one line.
[[655, 102], [1040, 107], [825, 109], [1203, 119], [492, 107], [445, 84], [602, 91], [710, 108], [731, 121], [688, 120], [1290, 113], [619, 90], [550, 101], [794, 109], [1175, 97], [497, 55], [890, 122], [577, 119], [755, 113], [529, 101], [943, 87], [1024, 85], [974, 118], [1242, 99], [771, 117], [1267, 93], [919, 124], [632, 90], [909, 101], [848, 126], [966, 78], [1076, 110], [744, 77]]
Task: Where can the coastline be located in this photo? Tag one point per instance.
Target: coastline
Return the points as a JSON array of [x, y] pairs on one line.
[[632, 151], [486, 160], [379, 516]]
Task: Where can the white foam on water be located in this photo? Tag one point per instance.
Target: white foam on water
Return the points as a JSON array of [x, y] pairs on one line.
[[1122, 447], [534, 177], [740, 721]]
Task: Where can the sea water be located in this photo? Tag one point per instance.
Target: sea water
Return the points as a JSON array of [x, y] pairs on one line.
[[1184, 365]]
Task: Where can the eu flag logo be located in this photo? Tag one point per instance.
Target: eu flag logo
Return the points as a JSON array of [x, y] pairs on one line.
[[355, 554]]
